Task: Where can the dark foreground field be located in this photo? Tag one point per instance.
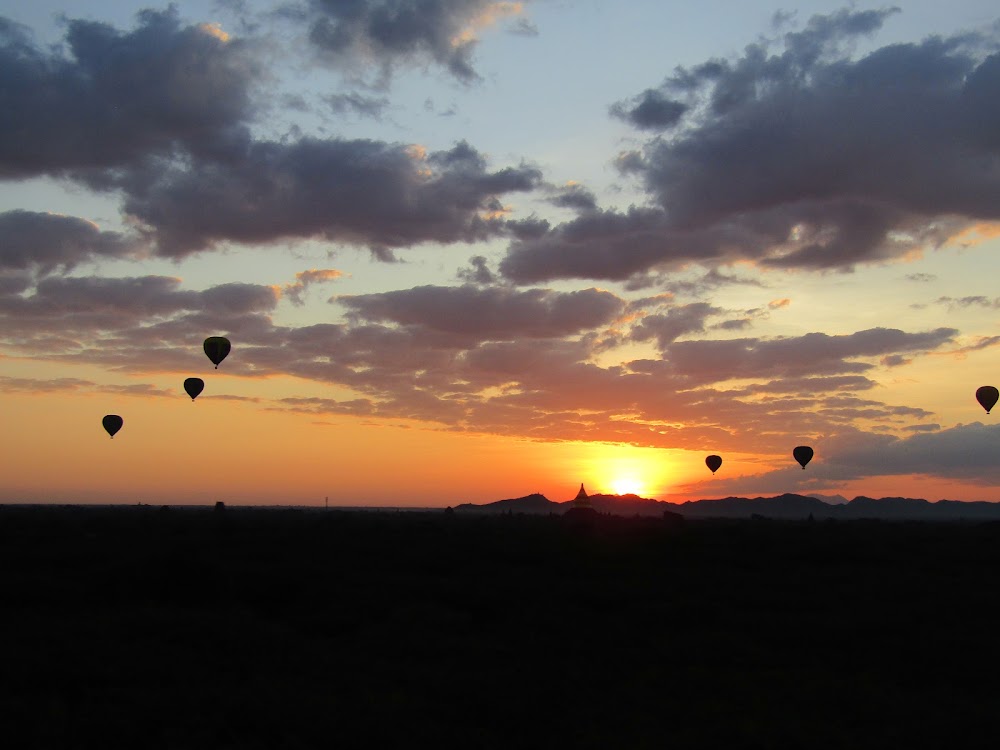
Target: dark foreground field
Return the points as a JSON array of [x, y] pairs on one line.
[[283, 629]]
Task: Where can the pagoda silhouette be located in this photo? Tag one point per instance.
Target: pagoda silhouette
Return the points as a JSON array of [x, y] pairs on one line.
[[581, 507]]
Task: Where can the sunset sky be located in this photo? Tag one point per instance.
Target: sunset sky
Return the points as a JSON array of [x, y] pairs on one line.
[[469, 250]]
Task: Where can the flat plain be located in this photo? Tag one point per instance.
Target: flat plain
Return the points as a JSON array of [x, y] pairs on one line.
[[249, 628]]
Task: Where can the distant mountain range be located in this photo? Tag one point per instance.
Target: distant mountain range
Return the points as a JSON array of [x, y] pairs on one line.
[[784, 507]]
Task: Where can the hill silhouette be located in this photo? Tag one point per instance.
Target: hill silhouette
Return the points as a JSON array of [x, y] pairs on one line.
[[538, 504], [788, 506]]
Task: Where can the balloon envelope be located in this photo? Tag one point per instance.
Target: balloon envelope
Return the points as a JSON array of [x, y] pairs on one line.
[[713, 462], [194, 386], [112, 423], [987, 397], [217, 348], [803, 454]]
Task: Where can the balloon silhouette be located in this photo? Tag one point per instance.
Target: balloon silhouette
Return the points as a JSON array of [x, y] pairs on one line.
[[217, 348], [803, 454], [987, 397], [713, 462], [112, 423], [194, 386]]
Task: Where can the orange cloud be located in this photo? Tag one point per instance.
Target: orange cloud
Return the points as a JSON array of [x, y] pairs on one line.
[[214, 29], [490, 16], [304, 279], [973, 235]]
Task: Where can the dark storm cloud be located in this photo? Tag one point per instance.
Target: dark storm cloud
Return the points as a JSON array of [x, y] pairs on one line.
[[354, 191], [802, 157], [390, 33], [117, 97], [46, 242], [491, 313]]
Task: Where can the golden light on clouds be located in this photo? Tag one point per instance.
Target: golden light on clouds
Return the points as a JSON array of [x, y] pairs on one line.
[[214, 29], [975, 234], [490, 15], [418, 153], [491, 214]]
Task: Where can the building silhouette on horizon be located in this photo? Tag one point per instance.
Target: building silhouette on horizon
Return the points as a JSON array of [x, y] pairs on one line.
[[581, 507]]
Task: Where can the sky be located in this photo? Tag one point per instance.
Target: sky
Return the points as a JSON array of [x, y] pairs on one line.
[[469, 250]]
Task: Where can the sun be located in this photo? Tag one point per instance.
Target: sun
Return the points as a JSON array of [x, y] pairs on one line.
[[628, 485]]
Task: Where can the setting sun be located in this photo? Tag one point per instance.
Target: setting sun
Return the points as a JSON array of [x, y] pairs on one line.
[[628, 485]]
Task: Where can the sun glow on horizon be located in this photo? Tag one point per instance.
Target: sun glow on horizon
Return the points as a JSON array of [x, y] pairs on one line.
[[628, 470], [628, 485]]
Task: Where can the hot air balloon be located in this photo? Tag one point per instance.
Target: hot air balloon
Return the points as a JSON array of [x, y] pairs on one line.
[[987, 397], [217, 348], [194, 386], [803, 454], [713, 462], [112, 423]]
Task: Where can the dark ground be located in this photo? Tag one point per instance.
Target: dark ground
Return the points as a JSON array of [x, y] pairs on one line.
[[287, 629]]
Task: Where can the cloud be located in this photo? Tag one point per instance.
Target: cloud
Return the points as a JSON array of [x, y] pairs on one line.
[[489, 313], [140, 323], [161, 115], [980, 343], [118, 97], [478, 272], [811, 386], [62, 385], [801, 157], [847, 453], [392, 33], [650, 110], [305, 279], [574, 196], [677, 321], [495, 360], [953, 303], [353, 191], [811, 354], [963, 452], [44, 242], [366, 106]]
